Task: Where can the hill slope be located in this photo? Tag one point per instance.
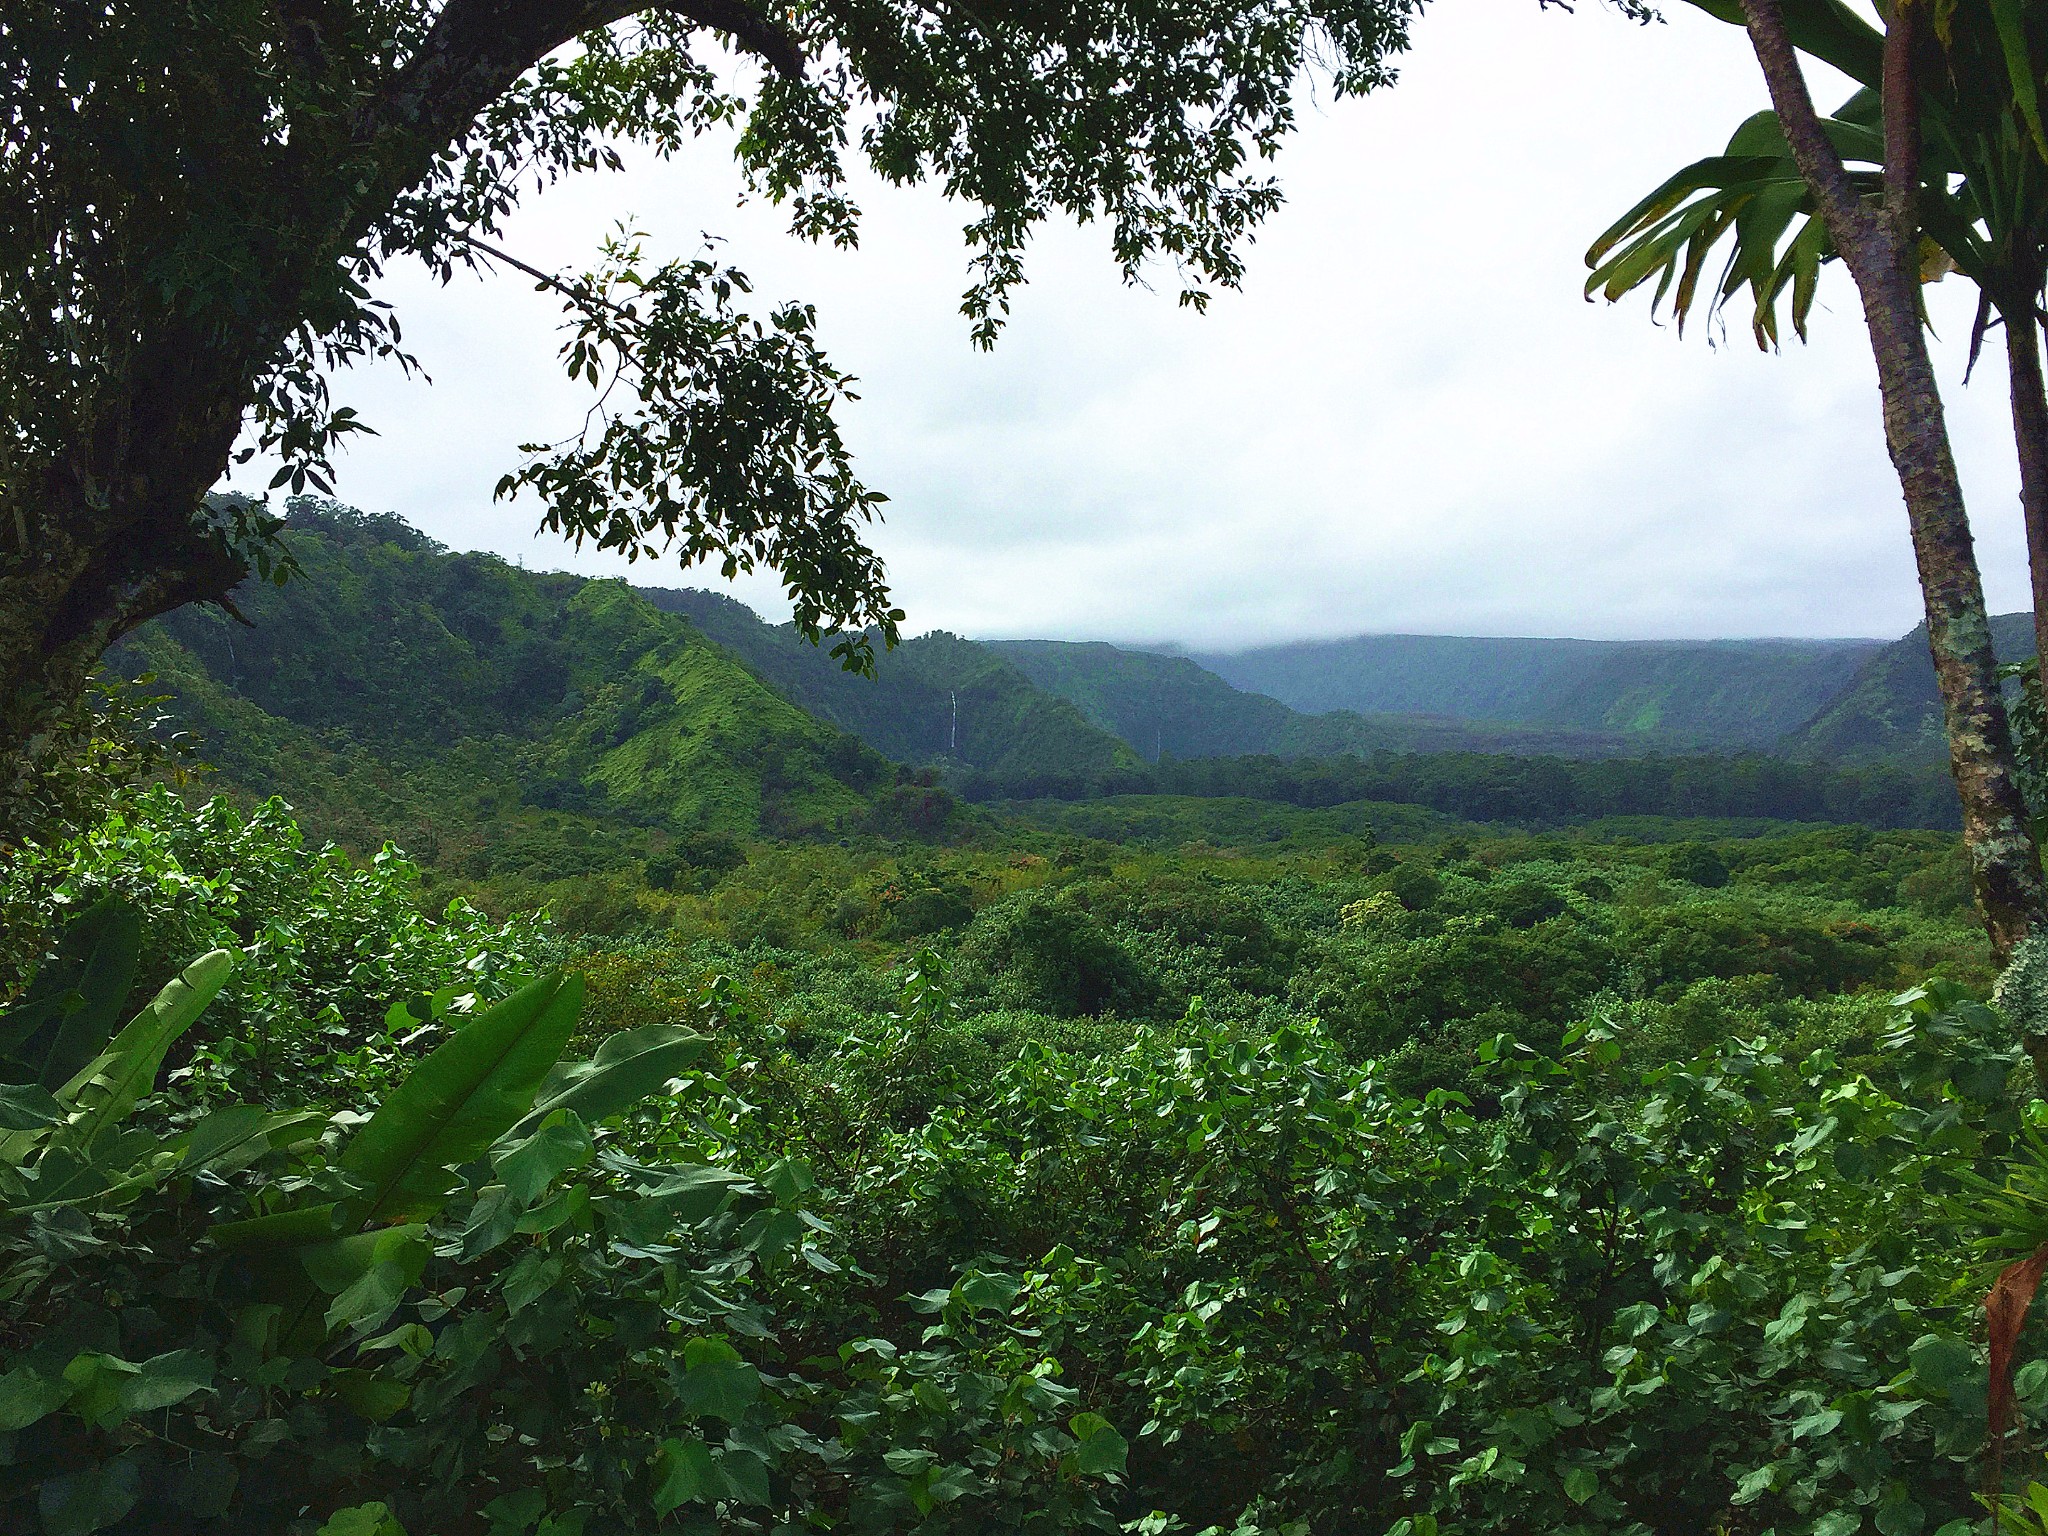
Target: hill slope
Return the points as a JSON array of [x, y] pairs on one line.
[[399, 674], [1719, 693], [1891, 709], [937, 699], [1169, 706]]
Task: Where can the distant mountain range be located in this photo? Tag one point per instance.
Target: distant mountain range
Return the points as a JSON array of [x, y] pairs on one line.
[[408, 690], [1669, 694]]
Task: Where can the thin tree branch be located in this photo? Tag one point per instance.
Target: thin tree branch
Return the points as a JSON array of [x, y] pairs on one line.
[[580, 297]]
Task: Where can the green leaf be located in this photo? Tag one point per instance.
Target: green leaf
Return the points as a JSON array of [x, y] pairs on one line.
[[370, 1300], [1898, 1513], [163, 1381], [336, 1265], [512, 1513], [363, 1520], [370, 1395], [714, 1380], [74, 1006], [28, 1107], [107, 1087], [90, 1499], [627, 1068], [693, 1194], [1580, 1484], [492, 1221], [27, 1395], [688, 1476], [464, 1095], [1754, 1485], [280, 1229], [1940, 1363], [530, 1279], [233, 1138], [1101, 1450], [572, 1204], [2009, 17], [1838, 1522], [97, 1381], [560, 1142], [745, 1474]]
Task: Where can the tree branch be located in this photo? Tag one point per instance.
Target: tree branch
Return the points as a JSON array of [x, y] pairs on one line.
[[478, 48]]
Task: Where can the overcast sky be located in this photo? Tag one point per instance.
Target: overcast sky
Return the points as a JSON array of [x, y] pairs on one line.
[[1408, 420]]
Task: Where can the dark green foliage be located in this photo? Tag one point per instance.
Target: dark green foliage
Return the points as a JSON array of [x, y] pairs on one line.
[[118, 734], [1412, 885], [1045, 952], [332, 1331], [1698, 864], [696, 862], [339, 943], [1564, 1194], [1555, 791]]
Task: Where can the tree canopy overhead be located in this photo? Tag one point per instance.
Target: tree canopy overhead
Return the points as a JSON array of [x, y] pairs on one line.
[[196, 201]]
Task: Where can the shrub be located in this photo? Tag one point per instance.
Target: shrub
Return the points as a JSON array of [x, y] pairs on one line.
[[1038, 952]]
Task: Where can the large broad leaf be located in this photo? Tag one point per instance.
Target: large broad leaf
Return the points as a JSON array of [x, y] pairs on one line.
[[1827, 29], [465, 1095], [627, 1068], [75, 1005], [107, 1087]]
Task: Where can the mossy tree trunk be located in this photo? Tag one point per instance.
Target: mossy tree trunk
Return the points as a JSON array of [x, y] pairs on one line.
[[1880, 247]]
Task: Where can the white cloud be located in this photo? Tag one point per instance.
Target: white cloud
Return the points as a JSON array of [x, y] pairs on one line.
[[1407, 421]]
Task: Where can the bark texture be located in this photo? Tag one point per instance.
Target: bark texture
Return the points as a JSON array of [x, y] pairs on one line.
[[1880, 249], [2030, 434]]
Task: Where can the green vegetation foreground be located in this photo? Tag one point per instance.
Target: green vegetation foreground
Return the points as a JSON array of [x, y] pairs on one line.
[[1518, 1183]]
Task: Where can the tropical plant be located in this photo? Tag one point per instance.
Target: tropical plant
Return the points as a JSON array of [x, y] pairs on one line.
[[289, 1320], [1948, 93], [1983, 206]]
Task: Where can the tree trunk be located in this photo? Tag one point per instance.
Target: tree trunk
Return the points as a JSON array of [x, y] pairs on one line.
[[2030, 434], [1880, 250], [116, 531]]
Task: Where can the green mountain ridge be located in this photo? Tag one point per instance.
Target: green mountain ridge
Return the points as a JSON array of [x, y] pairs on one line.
[[1663, 695], [495, 720], [1169, 706]]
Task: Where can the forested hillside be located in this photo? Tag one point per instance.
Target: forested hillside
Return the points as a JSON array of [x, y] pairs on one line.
[[1891, 710], [935, 699], [542, 727], [1169, 706], [491, 716], [1722, 693]]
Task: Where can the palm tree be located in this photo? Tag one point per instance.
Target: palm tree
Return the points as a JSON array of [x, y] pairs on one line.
[[1938, 162]]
